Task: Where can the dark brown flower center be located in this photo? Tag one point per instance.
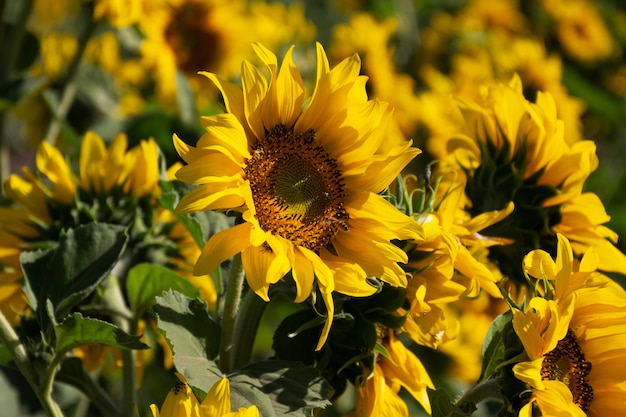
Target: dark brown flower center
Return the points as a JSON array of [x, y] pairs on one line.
[[196, 45], [566, 363], [297, 188]]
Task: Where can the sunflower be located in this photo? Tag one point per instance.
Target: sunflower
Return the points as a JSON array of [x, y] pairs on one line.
[[114, 185], [186, 36], [305, 180], [573, 336], [581, 30], [182, 402], [511, 150]]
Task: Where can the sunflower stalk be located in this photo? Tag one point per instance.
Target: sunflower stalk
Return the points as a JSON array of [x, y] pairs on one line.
[[68, 86], [115, 298], [231, 309], [10, 340], [246, 327]]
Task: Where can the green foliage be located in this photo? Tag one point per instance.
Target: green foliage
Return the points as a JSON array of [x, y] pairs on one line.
[[193, 336], [442, 405], [76, 330], [145, 282], [71, 271], [279, 388]]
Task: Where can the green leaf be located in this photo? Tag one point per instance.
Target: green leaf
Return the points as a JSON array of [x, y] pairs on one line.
[[77, 330], [279, 388], [5, 355], [69, 273], [493, 350], [442, 406], [193, 336], [146, 281]]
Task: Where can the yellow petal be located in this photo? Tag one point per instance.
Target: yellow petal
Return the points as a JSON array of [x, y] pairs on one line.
[[255, 88], [217, 401], [222, 246], [221, 196]]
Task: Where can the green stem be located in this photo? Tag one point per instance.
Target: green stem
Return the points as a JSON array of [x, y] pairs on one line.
[[7, 73], [9, 338], [67, 86], [246, 327], [231, 308], [115, 299], [18, 37], [487, 389]]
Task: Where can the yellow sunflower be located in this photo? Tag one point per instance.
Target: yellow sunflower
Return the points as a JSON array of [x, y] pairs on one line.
[[113, 185], [182, 402], [187, 36], [573, 336], [511, 150], [305, 178], [581, 30]]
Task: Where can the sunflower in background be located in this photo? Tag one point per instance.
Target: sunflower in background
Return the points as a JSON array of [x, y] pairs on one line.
[[189, 36], [572, 333], [511, 150], [115, 185]]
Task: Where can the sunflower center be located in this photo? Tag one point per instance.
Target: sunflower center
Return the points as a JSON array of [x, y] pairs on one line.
[[297, 188], [566, 363], [197, 45]]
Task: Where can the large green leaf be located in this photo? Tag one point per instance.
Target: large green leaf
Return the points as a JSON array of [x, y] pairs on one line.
[[146, 281], [69, 273], [193, 336], [77, 330], [279, 388]]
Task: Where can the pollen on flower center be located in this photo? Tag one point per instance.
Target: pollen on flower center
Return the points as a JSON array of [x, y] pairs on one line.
[[297, 188], [566, 363]]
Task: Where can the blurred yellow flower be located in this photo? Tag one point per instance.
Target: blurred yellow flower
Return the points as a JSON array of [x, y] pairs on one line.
[[581, 29], [194, 35], [305, 180]]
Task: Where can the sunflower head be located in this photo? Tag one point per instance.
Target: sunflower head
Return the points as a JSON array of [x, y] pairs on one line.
[[514, 151], [305, 173]]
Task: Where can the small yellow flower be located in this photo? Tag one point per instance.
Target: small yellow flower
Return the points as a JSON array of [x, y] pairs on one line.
[[181, 402]]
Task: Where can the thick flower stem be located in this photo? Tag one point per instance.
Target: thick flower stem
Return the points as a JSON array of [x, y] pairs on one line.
[[246, 327], [484, 390], [9, 338], [231, 308]]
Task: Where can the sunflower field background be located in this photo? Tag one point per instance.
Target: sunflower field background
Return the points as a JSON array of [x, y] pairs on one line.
[[312, 208]]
